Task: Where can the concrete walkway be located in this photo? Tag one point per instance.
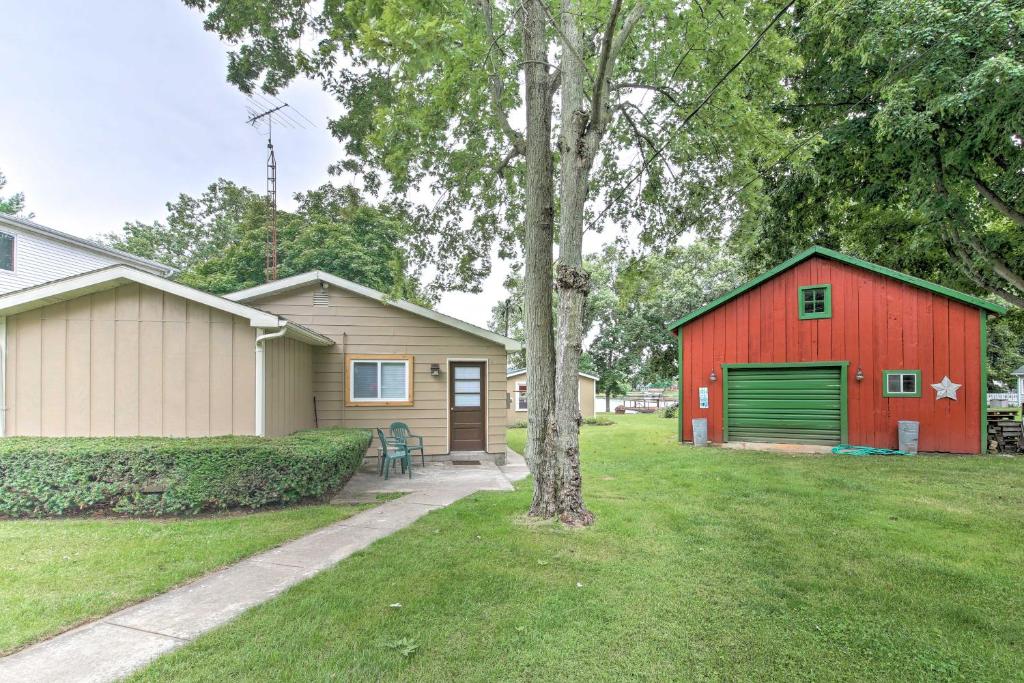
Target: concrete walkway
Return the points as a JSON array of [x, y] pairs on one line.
[[114, 646]]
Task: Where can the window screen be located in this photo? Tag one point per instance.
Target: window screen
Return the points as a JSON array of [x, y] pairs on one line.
[[380, 380]]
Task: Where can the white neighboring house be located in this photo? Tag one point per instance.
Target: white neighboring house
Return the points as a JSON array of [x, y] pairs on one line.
[[31, 254]]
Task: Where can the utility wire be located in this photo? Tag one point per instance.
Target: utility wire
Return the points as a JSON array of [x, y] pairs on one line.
[[802, 143]]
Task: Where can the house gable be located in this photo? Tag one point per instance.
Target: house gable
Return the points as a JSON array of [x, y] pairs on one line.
[[42, 254], [850, 260], [364, 328]]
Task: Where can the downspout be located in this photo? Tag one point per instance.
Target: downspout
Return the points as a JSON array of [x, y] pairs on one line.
[[261, 378]]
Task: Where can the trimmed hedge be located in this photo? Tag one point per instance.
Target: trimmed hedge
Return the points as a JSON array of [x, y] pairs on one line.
[[169, 476]]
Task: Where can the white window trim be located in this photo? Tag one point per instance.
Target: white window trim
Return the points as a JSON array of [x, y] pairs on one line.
[[406, 399], [520, 390]]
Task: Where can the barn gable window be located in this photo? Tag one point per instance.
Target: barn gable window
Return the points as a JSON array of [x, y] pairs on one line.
[[815, 302], [901, 383]]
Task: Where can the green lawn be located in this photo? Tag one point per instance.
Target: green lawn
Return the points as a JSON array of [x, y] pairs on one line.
[[57, 573], [703, 564]]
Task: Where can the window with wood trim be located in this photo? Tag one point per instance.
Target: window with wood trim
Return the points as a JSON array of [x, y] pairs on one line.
[[520, 397], [815, 302], [379, 380], [901, 383]]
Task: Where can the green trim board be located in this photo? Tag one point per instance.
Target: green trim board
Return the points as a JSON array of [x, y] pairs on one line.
[[844, 371], [826, 302], [901, 394], [984, 381], [679, 406], [843, 258]]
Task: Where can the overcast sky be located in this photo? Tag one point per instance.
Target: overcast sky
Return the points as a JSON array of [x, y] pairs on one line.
[[113, 107]]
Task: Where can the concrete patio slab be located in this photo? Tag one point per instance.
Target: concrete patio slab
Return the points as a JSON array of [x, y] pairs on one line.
[[114, 646]]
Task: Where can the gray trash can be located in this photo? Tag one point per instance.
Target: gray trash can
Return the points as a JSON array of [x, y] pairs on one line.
[[700, 431], [908, 431]]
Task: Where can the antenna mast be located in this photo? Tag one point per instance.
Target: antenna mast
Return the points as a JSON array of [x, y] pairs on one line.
[[270, 264]]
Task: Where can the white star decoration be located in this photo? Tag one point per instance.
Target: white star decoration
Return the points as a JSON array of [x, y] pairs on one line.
[[946, 389]]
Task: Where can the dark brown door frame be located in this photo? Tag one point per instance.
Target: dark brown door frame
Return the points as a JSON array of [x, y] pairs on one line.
[[452, 409]]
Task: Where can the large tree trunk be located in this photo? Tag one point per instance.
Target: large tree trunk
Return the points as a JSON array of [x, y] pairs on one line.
[[540, 352], [577, 147]]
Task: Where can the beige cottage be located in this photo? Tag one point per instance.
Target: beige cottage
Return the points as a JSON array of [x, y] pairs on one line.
[[119, 351], [516, 387]]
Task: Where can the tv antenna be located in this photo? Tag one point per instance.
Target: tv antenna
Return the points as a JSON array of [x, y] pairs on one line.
[[263, 110]]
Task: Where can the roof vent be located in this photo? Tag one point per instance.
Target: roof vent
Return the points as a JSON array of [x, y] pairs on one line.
[[321, 298]]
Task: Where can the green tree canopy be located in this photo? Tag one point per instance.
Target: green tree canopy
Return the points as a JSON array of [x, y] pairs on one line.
[[218, 240], [910, 112], [13, 204]]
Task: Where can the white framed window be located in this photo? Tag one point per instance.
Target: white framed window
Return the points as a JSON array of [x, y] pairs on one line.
[[7, 252], [520, 397], [379, 380]]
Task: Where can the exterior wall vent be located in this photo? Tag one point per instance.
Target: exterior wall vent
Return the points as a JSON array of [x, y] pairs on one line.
[[321, 298]]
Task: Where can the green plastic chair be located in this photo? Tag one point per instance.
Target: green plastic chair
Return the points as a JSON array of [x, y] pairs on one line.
[[390, 451], [400, 433]]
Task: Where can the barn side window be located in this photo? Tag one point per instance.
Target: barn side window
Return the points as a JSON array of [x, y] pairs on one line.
[[897, 383], [815, 302]]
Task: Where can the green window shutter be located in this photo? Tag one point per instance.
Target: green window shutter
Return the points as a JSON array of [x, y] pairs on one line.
[[815, 302], [786, 404]]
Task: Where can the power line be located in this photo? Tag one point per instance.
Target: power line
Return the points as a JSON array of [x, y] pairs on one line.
[[807, 139], [707, 98]]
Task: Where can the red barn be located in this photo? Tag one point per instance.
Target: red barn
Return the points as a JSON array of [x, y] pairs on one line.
[[827, 349]]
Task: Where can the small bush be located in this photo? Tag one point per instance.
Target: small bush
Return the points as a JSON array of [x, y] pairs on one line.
[[598, 421], [518, 425], [167, 476], [670, 412]]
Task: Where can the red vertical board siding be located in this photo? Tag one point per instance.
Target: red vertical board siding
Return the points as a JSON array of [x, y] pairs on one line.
[[877, 324]]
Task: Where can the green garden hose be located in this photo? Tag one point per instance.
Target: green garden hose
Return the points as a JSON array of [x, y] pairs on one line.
[[846, 449]]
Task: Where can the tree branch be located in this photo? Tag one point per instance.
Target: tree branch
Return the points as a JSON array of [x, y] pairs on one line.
[[954, 247], [998, 202], [555, 82], [660, 89], [998, 266], [611, 46], [497, 87]]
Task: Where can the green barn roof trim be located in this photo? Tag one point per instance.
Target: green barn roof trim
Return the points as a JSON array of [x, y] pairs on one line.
[[843, 258]]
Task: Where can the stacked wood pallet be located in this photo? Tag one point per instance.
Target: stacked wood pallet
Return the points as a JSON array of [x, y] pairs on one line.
[[1004, 431]]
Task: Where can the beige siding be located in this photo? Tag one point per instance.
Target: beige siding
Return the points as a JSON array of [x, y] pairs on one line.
[[586, 388], [129, 361], [587, 396], [363, 326], [512, 416], [289, 386]]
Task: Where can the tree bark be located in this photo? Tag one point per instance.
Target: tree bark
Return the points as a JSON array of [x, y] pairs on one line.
[[539, 209], [577, 146]]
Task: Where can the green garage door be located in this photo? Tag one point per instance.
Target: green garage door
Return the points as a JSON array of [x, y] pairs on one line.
[[785, 404]]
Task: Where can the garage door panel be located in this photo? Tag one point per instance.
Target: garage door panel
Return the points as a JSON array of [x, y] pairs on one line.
[[785, 405]]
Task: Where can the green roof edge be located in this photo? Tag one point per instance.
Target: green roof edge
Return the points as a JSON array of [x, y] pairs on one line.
[[853, 261]]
